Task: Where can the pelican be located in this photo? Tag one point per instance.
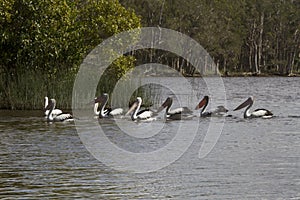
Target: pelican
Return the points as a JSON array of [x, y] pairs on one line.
[[256, 113], [137, 114], [97, 101], [63, 117], [105, 112], [220, 111], [176, 114], [54, 112]]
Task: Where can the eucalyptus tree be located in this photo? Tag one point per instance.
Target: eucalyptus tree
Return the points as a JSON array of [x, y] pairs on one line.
[[283, 37], [241, 35]]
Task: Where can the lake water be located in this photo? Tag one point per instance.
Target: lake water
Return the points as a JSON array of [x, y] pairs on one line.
[[252, 158]]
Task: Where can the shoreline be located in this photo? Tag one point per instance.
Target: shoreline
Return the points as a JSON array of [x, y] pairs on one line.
[[248, 74], [6, 107]]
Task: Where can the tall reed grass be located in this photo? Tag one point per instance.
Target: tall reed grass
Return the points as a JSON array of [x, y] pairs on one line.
[[26, 91]]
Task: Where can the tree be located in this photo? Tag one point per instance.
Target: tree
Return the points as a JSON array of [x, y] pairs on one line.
[[241, 35], [50, 38]]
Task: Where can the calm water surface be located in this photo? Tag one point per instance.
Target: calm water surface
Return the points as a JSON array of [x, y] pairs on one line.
[[253, 159]]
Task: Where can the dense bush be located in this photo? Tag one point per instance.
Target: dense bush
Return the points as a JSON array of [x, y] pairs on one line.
[[43, 43]]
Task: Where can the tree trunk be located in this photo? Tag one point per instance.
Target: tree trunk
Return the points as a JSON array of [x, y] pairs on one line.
[[292, 54], [250, 57], [217, 67], [252, 48], [256, 58], [205, 65], [225, 68], [260, 42], [178, 64]]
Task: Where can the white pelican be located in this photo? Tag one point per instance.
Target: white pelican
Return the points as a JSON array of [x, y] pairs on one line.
[[54, 112], [176, 114], [137, 114], [220, 111], [57, 118], [256, 113], [105, 112]]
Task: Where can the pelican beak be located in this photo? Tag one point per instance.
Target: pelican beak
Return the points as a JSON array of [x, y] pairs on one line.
[[167, 102], [131, 109], [91, 102], [160, 109], [246, 103], [98, 99], [201, 103], [49, 106]]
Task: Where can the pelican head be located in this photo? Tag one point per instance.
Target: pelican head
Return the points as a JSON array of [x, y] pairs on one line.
[[202, 103], [101, 99], [139, 99], [248, 102], [51, 104], [168, 102], [135, 104]]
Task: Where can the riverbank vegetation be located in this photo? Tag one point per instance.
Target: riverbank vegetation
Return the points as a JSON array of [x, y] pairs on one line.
[[244, 37], [43, 43]]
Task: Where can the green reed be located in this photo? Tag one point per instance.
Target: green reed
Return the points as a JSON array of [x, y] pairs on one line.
[[27, 89]]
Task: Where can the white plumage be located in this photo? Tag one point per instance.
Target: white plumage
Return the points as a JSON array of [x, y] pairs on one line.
[[103, 112], [145, 115], [64, 117], [264, 113], [259, 113], [117, 111], [54, 112]]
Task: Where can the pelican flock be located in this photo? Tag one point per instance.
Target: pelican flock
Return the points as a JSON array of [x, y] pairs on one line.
[[136, 114]]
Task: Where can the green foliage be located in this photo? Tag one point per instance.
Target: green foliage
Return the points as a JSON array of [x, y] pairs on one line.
[[46, 41], [104, 19], [43, 42], [114, 72]]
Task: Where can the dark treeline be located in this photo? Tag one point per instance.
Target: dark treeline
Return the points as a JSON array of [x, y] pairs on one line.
[[255, 36]]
